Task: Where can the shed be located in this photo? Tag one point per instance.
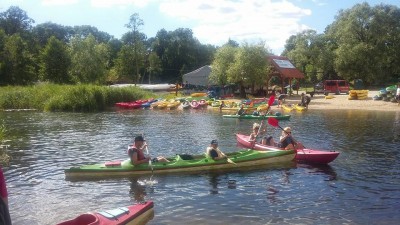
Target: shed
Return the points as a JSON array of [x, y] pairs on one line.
[[198, 77]]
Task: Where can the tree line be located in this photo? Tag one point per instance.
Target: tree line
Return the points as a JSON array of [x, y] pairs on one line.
[[363, 42], [60, 54]]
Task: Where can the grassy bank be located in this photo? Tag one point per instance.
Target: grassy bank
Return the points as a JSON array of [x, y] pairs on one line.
[[67, 98]]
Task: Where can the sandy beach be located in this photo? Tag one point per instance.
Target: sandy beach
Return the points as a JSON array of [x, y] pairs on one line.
[[342, 102]]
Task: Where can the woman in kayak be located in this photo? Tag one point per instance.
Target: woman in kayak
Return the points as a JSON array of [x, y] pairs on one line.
[[214, 152], [136, 153], [286, 141]]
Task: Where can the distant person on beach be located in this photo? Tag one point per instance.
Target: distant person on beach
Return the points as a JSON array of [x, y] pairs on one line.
[[305, 100], [398, 94]]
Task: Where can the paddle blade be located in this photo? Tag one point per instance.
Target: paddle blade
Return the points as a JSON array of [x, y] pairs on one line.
[[273, 122], [271, 100], [230, 161]]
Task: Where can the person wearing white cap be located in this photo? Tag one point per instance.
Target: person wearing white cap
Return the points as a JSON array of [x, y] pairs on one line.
[[286, 140]]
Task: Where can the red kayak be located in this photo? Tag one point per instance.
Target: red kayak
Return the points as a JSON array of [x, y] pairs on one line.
[[134, 214], [303, 155]]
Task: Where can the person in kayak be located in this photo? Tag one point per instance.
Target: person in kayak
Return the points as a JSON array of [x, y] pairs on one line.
[[137, 155], [265, 139], [241, 111], [214, 152], [286, 141]]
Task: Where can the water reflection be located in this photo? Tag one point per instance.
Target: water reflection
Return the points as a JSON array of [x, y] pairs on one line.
[[320, 169], [396, 128], [137, 190], [214, 181]]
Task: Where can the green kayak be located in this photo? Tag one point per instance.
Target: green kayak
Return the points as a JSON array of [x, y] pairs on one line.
[[280, 117], [181, 164]]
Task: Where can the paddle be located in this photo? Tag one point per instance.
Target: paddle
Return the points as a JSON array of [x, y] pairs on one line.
[[150, 163]]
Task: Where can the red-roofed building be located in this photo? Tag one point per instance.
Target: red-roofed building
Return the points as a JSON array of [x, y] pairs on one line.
[[284, 69]]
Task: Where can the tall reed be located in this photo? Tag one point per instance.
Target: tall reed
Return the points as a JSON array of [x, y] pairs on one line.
[[69, 98]]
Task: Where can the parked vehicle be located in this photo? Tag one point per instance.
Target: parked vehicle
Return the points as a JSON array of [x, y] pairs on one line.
[[336, 86], [330, 86]]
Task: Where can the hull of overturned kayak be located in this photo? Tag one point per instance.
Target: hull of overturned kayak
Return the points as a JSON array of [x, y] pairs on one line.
[[302, 155], [181, 164], [280, 117], [138, 214]]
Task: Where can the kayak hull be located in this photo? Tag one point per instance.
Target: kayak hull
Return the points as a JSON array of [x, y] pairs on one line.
[[281, 117], [134, 214], [181, 164], [302, 155]]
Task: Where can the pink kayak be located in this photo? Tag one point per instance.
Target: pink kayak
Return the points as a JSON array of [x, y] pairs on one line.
[[134, 214], [303, 155]]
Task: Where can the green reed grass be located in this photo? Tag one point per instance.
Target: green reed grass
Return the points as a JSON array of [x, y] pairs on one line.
[[67, 98]]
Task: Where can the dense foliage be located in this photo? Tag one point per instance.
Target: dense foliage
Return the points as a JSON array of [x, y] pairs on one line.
[[362, 43], [82, 54]]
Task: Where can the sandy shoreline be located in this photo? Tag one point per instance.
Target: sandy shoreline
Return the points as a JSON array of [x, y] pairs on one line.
[[342, 102]]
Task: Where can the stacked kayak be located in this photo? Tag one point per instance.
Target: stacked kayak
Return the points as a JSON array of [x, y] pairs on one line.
[[135, 214], [181, 164], [302, 155], [278, 117]]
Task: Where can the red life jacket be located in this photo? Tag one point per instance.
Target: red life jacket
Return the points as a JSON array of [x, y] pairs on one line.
[[140, 154]]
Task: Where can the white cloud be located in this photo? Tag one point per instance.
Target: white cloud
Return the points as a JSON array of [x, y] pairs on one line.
[[58, 2], [241, 20], [120, 3]]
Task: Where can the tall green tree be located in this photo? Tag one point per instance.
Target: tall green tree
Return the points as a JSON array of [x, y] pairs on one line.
[[55, 62], [15, 20], [43, 32], [367, 39], [18, 65], [154, 68], [223, 60], [250, 67], [89, 60], [135, 23]]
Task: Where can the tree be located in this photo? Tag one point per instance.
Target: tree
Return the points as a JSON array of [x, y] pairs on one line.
[[154, 65], [223, 60], [55, 62], [135, 23], [367, 39], [89, 60], [18, 67], [15, 20], [250, 67], [43, 32]]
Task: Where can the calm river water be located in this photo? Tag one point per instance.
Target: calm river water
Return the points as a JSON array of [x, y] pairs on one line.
[[362, 186]]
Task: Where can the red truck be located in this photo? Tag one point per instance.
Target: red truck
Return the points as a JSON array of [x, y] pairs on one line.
[[331, 86]]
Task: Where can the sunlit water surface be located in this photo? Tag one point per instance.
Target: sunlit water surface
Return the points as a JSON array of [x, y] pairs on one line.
[[362, 186]]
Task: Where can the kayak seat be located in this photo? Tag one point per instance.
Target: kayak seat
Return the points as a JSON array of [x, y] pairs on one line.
[[115, 213], [184, 157]]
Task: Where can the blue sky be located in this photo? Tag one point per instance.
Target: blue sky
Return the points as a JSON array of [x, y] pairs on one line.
[[212, 21]]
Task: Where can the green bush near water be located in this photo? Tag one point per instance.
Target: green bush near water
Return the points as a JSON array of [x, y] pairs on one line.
[[67, 98]]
